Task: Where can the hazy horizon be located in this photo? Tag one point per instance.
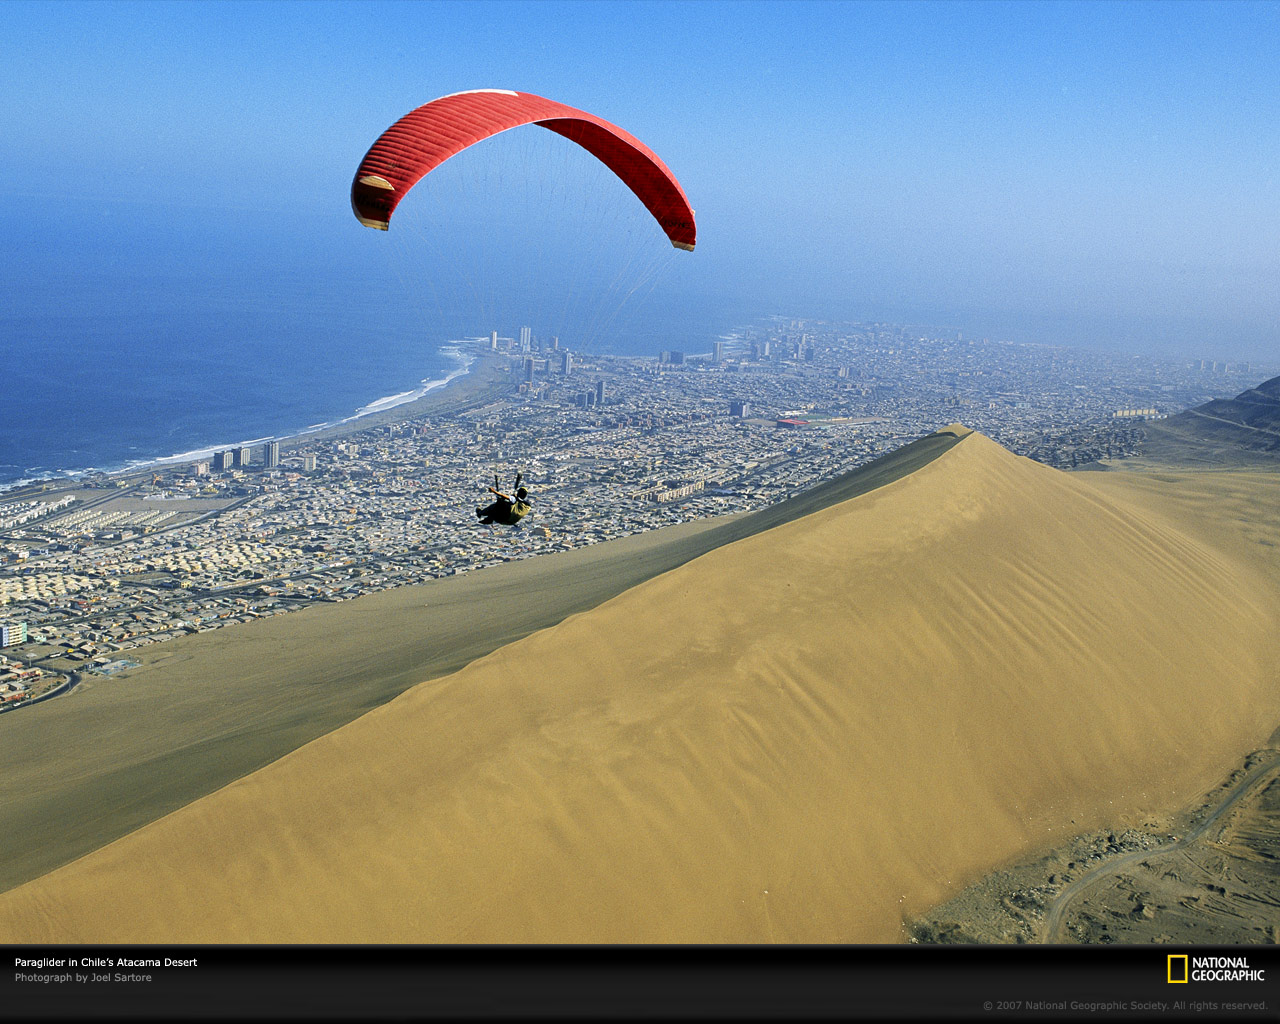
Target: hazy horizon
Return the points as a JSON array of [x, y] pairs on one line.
[[1084, 174]]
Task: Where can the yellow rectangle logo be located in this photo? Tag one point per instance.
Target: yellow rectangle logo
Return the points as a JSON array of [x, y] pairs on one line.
[[1178, 968]]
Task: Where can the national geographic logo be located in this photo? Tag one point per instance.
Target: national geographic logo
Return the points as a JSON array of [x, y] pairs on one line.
[[1184, 968]]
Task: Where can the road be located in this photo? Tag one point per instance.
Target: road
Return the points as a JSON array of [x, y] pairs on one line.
[[73, 679], [1232, 423]]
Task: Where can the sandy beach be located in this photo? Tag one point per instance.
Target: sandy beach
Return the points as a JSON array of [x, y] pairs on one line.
[[809, 734], [485, 379]]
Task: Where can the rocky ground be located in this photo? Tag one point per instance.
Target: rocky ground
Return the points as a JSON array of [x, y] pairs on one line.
[[1213, 877]]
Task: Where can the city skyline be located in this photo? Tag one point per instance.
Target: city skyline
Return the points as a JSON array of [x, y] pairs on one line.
[[100, 567]]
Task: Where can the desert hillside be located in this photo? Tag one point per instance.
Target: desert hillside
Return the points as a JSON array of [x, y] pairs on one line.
[[801, 736], [1240, 431]]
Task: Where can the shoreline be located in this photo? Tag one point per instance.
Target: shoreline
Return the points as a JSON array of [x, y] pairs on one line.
[[483, 376]]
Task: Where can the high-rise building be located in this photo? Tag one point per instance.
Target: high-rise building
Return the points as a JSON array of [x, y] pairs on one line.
[[566, 362], [528, 369], [719, 352], [526, 335], [599, 392], [308, 463], [555, 343], [200, 468], [271, 454], [740, 409], [243, 456], [13, 633], [493, 341], [222, 461]]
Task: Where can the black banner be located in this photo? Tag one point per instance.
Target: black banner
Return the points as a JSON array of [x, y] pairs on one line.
[[985, 983]]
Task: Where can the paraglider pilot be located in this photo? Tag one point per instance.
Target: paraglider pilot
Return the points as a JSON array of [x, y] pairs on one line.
[[506, 510]]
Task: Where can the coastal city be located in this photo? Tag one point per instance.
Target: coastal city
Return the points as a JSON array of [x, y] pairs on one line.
[[93, 568]]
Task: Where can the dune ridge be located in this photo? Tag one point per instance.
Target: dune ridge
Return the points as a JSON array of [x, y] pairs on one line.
[[804, 736], [207, 709]]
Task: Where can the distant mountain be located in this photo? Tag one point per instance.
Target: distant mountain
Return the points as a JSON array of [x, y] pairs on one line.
[[1257, 411], [1224, 430]]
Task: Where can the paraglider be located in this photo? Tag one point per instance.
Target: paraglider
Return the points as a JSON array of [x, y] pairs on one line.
[[506, 510], [426, 137], [475, 255]]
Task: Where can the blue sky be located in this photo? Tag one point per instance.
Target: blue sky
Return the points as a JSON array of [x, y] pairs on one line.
[[1100, 173]]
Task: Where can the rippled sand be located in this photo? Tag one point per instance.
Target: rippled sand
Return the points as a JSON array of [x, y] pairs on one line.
[[802, 736]]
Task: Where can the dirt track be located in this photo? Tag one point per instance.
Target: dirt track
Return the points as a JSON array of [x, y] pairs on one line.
[[1213, 879], [1114, 874]]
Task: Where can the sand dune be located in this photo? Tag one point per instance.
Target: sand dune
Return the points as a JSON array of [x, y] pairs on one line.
[[205, 710], [802, 736]]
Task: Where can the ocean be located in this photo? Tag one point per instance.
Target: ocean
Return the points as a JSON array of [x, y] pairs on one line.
[[133, 331], [108, 381]]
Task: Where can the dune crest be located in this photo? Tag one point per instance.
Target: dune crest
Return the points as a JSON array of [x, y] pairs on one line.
[[803, 736]]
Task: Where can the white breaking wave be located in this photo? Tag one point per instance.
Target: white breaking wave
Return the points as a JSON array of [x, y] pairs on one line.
[[451, 348], [391, 401]]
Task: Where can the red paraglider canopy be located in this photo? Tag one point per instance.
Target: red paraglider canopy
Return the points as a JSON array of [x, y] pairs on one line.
[[425, 138]]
